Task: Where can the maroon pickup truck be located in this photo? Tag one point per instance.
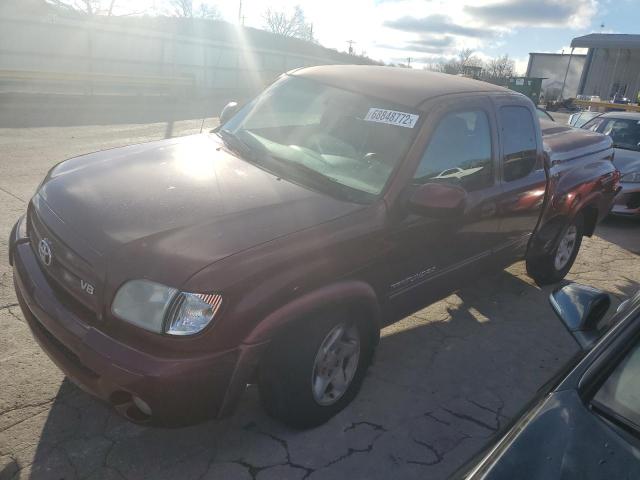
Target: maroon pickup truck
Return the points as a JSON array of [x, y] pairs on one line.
[[165, 277]]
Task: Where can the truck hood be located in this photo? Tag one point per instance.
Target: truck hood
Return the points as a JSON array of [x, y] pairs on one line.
[[626, 160], [186, 202]]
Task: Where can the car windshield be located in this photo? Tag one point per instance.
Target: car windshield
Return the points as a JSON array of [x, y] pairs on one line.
[[625, 132], [580, 120], [323, 136]]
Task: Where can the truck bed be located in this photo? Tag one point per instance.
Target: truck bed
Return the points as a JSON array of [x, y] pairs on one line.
[[563, 143]]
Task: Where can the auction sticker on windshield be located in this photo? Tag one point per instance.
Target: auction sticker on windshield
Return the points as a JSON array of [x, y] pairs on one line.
[[391, 117]]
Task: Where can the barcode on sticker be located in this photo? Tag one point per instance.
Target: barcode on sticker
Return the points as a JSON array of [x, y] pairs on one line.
[[391, 117]]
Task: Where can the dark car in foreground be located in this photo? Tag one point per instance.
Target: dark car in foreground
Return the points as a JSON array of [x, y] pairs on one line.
[[164, 277], [586, 423], [624, 130]]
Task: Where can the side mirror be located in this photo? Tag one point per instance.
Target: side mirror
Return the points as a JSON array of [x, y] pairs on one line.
[[229, 110], [437, 199], [581, 308]]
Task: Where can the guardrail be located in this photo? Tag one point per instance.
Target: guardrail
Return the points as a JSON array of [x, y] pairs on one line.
[[607, 105]]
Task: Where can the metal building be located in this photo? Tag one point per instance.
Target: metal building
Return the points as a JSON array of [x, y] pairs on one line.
[[612, 65], [561, 73]]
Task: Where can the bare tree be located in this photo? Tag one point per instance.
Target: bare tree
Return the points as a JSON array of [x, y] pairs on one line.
[[466, 58], [466, 63], [91, 7], [188, 9], [209, 12], [500, 67], [87, 7], [293, 25], [182, 8]]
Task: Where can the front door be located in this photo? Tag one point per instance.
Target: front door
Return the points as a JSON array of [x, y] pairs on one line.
[[430, 251]]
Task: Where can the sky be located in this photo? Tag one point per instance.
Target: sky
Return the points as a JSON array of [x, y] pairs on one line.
[[429, 31]]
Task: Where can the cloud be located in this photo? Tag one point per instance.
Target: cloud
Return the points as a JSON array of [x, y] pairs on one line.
[[426, 44], [446, 41], [534, 13], [437, 24]]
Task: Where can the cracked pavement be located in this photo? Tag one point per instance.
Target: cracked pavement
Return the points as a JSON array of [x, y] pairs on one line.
[[444, 381]]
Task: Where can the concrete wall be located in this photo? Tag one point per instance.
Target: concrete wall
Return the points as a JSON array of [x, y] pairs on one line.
[[98, 57], [553, 67], [610, 70]]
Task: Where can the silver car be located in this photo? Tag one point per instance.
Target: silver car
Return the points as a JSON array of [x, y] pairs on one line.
[[624, 129], [578, 119]]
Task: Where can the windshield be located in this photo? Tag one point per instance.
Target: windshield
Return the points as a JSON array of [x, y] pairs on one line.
[[324, 136], [625, 132]]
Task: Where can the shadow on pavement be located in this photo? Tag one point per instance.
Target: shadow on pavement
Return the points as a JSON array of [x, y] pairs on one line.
[[9, 470], [444, 382], [623, 231]]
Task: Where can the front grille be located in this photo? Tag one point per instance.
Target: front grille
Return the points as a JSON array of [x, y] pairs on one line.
[[66, 271], [62, 348]]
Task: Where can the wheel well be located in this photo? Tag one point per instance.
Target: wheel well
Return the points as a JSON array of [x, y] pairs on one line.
[[352, 308], [590, 215]]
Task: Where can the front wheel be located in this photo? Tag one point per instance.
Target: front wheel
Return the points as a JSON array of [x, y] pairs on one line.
[[554, 266], [315, 369]]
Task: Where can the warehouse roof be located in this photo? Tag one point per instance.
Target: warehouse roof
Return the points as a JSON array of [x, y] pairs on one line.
[[607, 40]]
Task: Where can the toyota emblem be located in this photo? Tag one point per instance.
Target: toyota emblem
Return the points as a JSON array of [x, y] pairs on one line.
[[44, 250]]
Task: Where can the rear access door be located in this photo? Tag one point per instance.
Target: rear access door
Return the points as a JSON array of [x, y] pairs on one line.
[[522, 175]]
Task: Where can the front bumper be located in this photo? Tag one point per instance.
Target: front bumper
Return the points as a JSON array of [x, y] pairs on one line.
[[628, 200], [178, 391]]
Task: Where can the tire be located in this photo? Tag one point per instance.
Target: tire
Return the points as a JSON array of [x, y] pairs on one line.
[[554, 266], [294, 362]]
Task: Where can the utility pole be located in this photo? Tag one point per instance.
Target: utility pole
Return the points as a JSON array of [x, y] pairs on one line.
[[240, 17], [351, 42]]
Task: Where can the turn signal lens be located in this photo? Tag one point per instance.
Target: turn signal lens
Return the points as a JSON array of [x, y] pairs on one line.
[[191, 312]]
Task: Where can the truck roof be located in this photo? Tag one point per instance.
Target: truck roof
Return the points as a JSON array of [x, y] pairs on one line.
[[397, 85]]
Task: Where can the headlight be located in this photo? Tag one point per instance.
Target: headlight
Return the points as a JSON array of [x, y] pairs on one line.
[[163, 309], [633, 177]]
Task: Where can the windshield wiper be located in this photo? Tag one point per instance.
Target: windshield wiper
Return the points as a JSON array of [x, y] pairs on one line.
[[321, 180], [233, 142]]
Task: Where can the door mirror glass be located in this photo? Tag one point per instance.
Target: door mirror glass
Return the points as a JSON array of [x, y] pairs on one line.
[[437, 199], [581, 309], [229, 110]]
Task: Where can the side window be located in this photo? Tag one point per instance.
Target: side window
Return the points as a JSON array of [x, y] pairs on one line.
[[459, 152], [519, 142], [619, 395]]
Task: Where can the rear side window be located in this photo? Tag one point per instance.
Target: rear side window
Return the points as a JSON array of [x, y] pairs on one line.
[[519, 142], [459, 152]]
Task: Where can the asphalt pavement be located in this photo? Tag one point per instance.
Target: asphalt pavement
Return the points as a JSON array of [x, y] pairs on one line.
[[444, 381]]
